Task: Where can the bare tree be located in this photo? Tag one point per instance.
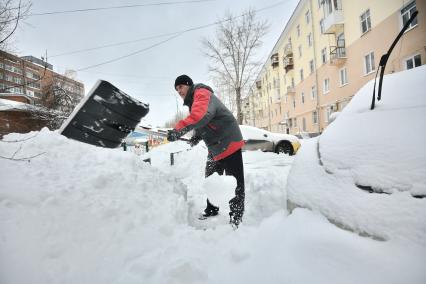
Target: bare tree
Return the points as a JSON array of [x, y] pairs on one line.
[[12, 13], [178, 116], [225, 92], [232, 54], [58, 100]]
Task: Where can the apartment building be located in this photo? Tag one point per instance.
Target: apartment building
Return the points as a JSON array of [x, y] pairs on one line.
[[327, 51], [27, 78], [28, 86]]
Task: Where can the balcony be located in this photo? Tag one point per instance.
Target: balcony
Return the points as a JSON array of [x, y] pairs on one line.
[[338, 53], [290, 91], [333, 16], [288, 63], [275, 60]]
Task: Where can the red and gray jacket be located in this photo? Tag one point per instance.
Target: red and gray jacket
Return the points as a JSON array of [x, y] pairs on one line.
[[212, 121]]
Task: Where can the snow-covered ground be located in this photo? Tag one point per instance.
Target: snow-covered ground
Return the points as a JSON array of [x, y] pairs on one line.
[[83, 214]]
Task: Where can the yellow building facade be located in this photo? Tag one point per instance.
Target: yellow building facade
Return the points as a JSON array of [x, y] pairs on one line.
[[327, 51]]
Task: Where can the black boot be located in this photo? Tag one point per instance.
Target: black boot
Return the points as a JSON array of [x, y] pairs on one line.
[[210, 211], [236, 206]]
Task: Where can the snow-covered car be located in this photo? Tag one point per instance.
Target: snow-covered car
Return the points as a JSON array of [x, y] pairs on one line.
[[259, 139], [366, 172]]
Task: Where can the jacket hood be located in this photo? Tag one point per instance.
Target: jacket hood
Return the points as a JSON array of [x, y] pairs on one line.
[[189, 99]]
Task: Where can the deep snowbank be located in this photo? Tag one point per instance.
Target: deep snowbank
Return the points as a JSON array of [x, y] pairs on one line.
[[82, 214]]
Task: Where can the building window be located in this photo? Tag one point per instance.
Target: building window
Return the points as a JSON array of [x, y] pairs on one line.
[[30, 93], [324, 55], [310, 39], [313, 92], [301, 75], [326, 86], [304, 124], [295, 122], [307, 17], [17, 80], [328, 112], [1, 66], [369, 63], [319, 3], [343, 76], [298, 30], [1, 76], [315, 117], [8, 68], [300, 50], [294, 103], [8, 78], [311, 66], [406, 13], [302, 95], [322, 26], [413, 62], [365, 21]]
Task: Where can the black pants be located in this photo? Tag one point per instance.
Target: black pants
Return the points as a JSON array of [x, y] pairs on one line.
[[232, 166]]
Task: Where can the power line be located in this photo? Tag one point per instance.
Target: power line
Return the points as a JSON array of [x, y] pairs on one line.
[[128, 55], [152, 37], [112, 44], [176, 34], [117, 7]]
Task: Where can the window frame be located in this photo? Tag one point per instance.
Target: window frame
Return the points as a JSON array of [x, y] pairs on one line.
[[415, 22], [343, 82], [311, 66], [310, 40], [313, 92], [308, 17], [324, 55], [367, 20], [314, 117], [372, 63], [412, 58], [325, 90]]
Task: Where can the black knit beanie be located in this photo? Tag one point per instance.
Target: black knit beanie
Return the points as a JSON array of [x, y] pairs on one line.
[[183, 80]]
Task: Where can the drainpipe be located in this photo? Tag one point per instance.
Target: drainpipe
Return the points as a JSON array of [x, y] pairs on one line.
[[316, 66]]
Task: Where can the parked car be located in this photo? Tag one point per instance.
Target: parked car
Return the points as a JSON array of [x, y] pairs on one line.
[[259, 139]]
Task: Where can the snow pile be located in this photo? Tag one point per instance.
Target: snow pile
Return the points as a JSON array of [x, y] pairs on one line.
[[382, 150], [77, 209], [82, 214], [265, 177]]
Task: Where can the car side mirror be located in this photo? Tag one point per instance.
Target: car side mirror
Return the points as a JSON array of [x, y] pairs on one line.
[[265, 135]]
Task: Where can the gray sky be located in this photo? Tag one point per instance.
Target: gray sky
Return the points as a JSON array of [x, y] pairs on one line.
[[149, 75]]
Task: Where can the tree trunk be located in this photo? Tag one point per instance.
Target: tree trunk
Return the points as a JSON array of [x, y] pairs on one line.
[[238, 101]]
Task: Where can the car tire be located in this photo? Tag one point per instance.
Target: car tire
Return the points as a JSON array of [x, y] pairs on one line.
[[284, 147]]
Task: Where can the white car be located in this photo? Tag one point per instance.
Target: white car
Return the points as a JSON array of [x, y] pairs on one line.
[[259, 139]]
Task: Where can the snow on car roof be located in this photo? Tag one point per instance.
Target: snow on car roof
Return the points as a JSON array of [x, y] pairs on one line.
[[382, 149]]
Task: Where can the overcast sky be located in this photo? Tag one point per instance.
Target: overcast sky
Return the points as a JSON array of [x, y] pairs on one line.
[[149, 75]]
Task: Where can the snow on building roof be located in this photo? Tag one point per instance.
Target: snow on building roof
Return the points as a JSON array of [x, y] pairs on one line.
[[12, 105], [382, 151]]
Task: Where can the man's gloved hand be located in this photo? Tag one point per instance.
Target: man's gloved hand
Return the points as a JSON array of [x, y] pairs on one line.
[[173, 135], [194, 140]]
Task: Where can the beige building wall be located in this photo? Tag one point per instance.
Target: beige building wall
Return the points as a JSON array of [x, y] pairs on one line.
[[299, 109]]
